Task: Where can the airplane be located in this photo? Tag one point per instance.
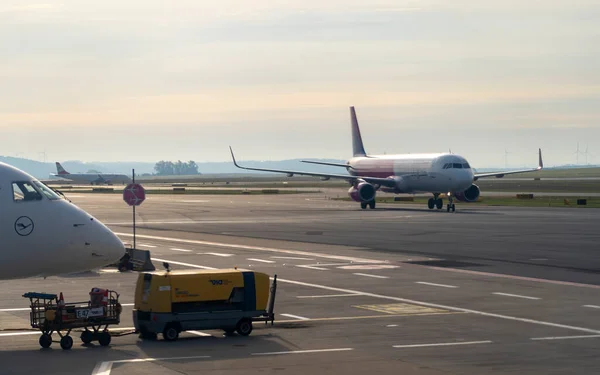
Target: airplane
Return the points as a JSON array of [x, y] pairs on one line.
[[438, 174], [43, 234], [91, 178]]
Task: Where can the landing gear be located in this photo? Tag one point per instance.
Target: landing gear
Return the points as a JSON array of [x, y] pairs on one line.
[[435, 202], [450, 206], [371, 204]]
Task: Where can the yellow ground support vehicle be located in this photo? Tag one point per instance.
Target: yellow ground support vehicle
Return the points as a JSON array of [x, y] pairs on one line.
[[170, 302]]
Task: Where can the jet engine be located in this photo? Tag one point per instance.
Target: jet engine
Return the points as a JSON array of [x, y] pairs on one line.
[[469, 195], [363, 192]]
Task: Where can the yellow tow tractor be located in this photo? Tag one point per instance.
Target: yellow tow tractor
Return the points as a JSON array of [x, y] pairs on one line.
[[170, 302]]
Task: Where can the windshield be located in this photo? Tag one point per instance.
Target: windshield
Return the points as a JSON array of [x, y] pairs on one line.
[[48, 192]]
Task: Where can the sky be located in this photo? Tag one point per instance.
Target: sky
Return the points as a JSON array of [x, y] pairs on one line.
[[133, 80]]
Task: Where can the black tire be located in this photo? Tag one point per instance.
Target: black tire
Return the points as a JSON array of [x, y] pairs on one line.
[[448, 208], [372, 204], [431, 203], [171, 333], [244, 327], [363, 205], [66, 342], [104, 338], [45, 341], [439, 204], [87, 337]]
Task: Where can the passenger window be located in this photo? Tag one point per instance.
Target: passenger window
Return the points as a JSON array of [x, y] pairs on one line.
[[25, 192], [457, 165]]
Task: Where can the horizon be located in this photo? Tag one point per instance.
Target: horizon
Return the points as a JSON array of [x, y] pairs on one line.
[[138, 81]]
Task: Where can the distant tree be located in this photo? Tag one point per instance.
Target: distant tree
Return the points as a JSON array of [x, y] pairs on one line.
[[93, 171], [168, 168]]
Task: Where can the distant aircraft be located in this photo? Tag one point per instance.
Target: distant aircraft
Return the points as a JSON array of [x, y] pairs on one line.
[[91, 178], [42, 234], [438, 174]]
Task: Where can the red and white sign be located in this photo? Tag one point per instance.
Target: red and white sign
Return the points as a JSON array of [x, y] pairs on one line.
[[134, 194]]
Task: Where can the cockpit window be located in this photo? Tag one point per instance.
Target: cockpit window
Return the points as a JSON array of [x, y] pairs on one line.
[[457, 166], [466, 166], [49, 193], [24, 191]]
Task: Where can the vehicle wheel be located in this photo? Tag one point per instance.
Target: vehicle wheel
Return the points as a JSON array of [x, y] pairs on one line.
[[66, 342], [86, 337], [431, 203], [363, 205], [104, 338], [244, 327], [439, 204], [372, 204], [171, 333], [45, 341]]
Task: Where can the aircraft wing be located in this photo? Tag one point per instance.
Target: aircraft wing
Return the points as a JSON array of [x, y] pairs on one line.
[[325, 163], [502, 174], [372, 180]]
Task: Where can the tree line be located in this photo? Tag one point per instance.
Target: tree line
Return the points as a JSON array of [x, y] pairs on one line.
[[169, 168]]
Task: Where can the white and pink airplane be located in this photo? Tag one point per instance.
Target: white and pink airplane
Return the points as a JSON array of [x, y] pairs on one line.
[[438, 174]]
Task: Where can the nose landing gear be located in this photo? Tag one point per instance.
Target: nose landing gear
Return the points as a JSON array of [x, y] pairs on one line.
[[450, 205]]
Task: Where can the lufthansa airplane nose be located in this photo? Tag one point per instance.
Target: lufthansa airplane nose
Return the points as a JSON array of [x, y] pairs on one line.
[[107, 245]]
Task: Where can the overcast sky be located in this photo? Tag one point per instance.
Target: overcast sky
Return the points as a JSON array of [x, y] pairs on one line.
[[147, 80]]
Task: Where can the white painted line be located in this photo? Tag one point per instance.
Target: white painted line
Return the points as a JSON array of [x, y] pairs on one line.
[[516, 296], [184, 250], [592, 306], [20, 333], [295, 316], [422, 303], [146, 245], [184, 264], [291, 258], [432, 284], [219, 254], [261, 260], [565, 337], [29, 308], [442, 344], [369, 275], [104, 368], [392, 325], [255, 248], [198, 333], [306, 351], [313, 268], [329, 296]]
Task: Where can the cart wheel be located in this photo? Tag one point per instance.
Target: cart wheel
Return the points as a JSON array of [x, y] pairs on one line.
[[170, 333], [45, 341], [244, 327], [104, 338], [87, 337], [66, 342]]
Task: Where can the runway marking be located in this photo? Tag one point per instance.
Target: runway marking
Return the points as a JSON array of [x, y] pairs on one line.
[[261, 260], [513, 277], [218, 254], [104, 368], [291, 258], [392, 325], [432, 284], [368, 267], [442, 344], [329, 296], [295, 316], [29, 308], [369, 275], [515, 295], [198, 333], [565, 337], [401, 309], [256, 248], [306, 351], [146, 245], [421, 303], [185, 264], [20, 333], [312, 267], [592, 306], [183, 250]]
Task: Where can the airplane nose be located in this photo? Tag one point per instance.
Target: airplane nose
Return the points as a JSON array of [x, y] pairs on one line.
[[107, 245]]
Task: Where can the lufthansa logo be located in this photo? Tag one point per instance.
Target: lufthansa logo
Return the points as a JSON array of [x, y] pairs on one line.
[[24, 226]]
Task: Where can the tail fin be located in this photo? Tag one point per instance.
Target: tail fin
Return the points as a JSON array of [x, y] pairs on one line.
[[357, 144], [60, 169]]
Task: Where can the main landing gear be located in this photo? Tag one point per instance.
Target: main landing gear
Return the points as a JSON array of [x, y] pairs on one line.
[[371, 204], [436, 202]]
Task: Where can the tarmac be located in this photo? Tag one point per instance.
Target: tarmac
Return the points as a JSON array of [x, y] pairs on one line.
[[392, 290]]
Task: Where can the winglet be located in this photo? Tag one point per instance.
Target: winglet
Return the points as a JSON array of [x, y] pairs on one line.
[[233, 157], [541, 162]]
